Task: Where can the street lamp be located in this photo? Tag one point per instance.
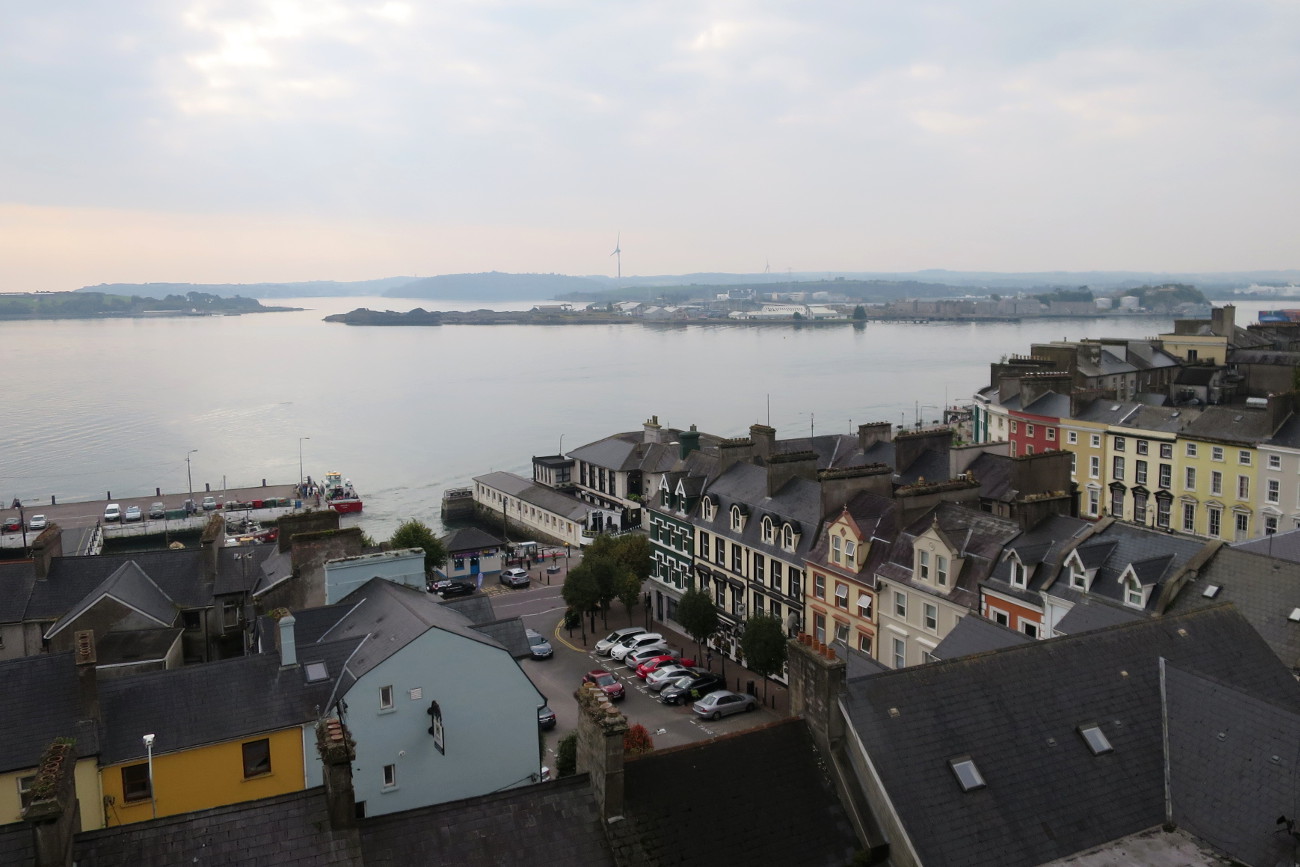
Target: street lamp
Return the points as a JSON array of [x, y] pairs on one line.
[[153, 801], [300, 476], [189, 477], [561, 445]]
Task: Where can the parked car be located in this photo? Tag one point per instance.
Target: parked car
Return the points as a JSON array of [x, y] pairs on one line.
[[692, 688], [12, 525], [515, 577], [635, 643], [448, 588], [606, 681], [606, 644], [157, 510], [722, 703], [210, 503], [37, 522], [645, 669], [545, 717], [113, 512], [133, 513], [666, 674], [538, 645], [650, 651]]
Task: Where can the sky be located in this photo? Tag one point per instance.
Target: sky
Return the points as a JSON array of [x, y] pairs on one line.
[[226, 142]]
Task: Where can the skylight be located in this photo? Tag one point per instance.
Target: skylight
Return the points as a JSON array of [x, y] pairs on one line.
[[968, 776], [316, 671], [1211, 591], [1095, 738], [1294, 617]]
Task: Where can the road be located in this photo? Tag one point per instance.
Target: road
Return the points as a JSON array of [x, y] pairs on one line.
[[541, 608]]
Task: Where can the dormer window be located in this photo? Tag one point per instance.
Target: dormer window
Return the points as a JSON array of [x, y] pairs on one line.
[[787, 537], [1019, 574], [1078, 576], [1134, 594], [737, 519], [850, 554], [769, 530], [710, 509], [941, 569], [835, 549], [923, 565]]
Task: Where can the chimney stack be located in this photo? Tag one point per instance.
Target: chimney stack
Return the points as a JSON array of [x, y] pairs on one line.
[[288, 650], [52, 812], [84, 655], [210, 543], [600, 748], [337, 752], [45, 547], [874, 432], [689, 441], [783, 467], [653, 430], [764, 440]]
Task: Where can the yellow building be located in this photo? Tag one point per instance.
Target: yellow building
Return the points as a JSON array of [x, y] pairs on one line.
[[1215, 485], [14, 792], [1085, 439], [1203, 340]]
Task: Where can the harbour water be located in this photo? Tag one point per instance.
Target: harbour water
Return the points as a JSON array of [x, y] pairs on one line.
[[116, 405]]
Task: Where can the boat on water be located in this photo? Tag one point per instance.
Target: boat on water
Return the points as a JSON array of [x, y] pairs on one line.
[[340, 495]]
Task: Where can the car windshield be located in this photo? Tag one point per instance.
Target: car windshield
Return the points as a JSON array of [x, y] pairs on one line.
[[536, 639], [684, 681], [605, 680]]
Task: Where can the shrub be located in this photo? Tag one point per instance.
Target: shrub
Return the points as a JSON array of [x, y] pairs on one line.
[[637, 741], [566, 756]]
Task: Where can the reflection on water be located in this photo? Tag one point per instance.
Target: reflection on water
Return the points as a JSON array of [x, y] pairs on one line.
[[404, 412]]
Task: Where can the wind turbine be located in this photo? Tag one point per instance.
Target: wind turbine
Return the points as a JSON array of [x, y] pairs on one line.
[[619, 253]]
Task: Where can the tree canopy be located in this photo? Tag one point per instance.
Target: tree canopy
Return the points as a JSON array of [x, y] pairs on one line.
[[763, 646], [697, 615], [416, 534]]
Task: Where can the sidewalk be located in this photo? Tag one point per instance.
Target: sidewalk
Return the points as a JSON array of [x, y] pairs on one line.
[[738, 677]]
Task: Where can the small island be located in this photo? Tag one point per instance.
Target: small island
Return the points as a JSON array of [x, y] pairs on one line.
[[103, 305]]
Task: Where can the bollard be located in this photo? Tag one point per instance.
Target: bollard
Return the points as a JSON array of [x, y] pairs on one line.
[[157, 492], [207, 486], [52, 503], [264, 483], [109, 495]]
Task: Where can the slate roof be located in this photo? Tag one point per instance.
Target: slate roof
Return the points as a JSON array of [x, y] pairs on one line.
[[538, 495], [178, 574], [1137, 415], [1050, 405], [1283, 546], [16, 582], [129, 586], [1263, 589], [798, 502], [1233, 767], [876, 518], [1246, 425], [42, 700], [239, 567], [509, 634], [1156, 557], [978, 538], [470, 539], [765, 796], [1016, 712], [617, 452], [1288, 435], [275, 568], [1089, 614], [476, 608], [976, 634]]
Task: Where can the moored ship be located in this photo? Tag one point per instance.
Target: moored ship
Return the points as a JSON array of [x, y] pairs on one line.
[[340, 495]]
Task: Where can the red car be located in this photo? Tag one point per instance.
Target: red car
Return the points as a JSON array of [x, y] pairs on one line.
[[643, 670], [12, 525], [606, 681]]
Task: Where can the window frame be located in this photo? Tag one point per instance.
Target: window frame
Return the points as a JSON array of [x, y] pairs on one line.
[[259, 765], [136, 790]]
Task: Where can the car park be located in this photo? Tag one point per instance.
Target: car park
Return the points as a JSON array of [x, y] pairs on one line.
[[133, 513], [210, 503], [645, 669], [515, 577], [635, 643], [607, 682], [545, 717], [650, 651], [692, 688], [538, 645], [113, 512], [722, 703], [157, 510], [606, 644], [666, 674], [38, 522], [449, 588]]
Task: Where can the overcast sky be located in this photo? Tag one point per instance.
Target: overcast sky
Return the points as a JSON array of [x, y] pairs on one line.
[[178, 140]]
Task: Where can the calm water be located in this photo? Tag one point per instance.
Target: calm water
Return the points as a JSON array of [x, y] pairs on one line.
[[405, 412]]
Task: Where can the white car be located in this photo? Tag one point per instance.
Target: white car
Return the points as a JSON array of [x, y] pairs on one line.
[[37, 522], [666, 674], [113, 512], [635, 642], [606, 644]]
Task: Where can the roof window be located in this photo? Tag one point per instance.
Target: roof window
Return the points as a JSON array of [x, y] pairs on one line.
[[968, 776], [316, 672], [1294, 616], [1211, 591], [1095, 738]]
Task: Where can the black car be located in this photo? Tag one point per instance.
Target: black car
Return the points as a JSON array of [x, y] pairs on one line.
[[545, 717], [450, 588], [689, 688]]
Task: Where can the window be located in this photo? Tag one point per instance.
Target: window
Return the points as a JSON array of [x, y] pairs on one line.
[[736, 521], [864, 643], [704, 545], [758, 605], [776, 610], [1166, 451], [1029, 430], [1274, 462], [1270, 525], [1013, 427], [1189, 479], [1216, 482], [1095, 739], [1051, 434], [1072, 437], [1243, 526], [1119, 444], [720, 551], [1189, 517], [924, 564], [1191, 450], [900, 652], [135, 783], [787, 537], [390, 776], [900, 603], [1029, 627], [1029, 448], [1142, 447], [385, 698], [1163, 505], [777, 568], [1074, 463], [819, 584], [1274, 493], [835, 549], [1133, 593], [864, 605], [850, 554], [1166, 476], [1216, 453], [769, 530], [1117, 468], [1243, 458], [709, 509], [1078, 577], [819, 627], [1216, 521], [1094, 440], [1139, 507], [1243, 487], [25, 789], [931, 617], [1000, 617], [1117, 502], [1140, 472], [1094, 501], [841, 632], [257, 758], [759, 560], [1018, 576], [735, 559], [841, 596], [941, 569], [968, 776], [1094, 467]]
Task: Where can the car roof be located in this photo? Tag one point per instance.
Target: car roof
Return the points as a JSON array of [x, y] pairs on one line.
[[595, 671]]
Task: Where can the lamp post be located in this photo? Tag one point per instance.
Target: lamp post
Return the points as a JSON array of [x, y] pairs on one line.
[[561, 445], [189, 477], [22, 519], [153, 801], [300, 476]]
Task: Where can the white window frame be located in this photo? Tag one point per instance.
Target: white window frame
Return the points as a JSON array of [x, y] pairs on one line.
[[941, 570], [386, 699], [900, 604], [930, 616], [1094, 440], [1275, 462], [1072, 437]]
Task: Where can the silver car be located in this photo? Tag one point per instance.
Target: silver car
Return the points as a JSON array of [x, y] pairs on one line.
[[666, 674], [722, 703]]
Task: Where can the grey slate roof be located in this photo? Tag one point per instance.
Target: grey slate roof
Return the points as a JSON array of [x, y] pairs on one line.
[[1288, 435], [16, 582], [477, 608], [538, 495], [1155, 556], [470, 539], [130, 586], [239, 568], [177, 573], [42, 700], [1283, 546], [1245, 425], [1050, 405], [1016, 712], [975, 635], [509, 634], [978, 538], [1089, 614], [765, 796], [798, 503]]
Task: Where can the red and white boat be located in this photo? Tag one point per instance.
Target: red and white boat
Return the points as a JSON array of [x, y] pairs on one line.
[[340, 495]]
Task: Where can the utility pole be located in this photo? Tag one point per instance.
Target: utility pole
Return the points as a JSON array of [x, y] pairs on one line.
[[189, 477]]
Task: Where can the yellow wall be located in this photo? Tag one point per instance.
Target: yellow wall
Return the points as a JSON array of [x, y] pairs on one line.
[[208, 776], [88, 795], [1227, 498], [1209, 347]]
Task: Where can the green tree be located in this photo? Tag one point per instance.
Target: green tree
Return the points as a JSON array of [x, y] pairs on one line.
[[860, 313], [416, 534], [763, 645], [582, 592], [698, 616], [566, 756]]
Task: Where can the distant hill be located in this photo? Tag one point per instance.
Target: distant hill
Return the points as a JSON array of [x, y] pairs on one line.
[[316, 288], [495, 286]]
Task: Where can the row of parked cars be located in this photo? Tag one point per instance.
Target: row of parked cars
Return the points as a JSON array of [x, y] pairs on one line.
[[676, 680]]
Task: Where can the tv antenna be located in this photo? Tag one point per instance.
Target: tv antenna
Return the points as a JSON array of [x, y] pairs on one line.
[[618, 251]]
